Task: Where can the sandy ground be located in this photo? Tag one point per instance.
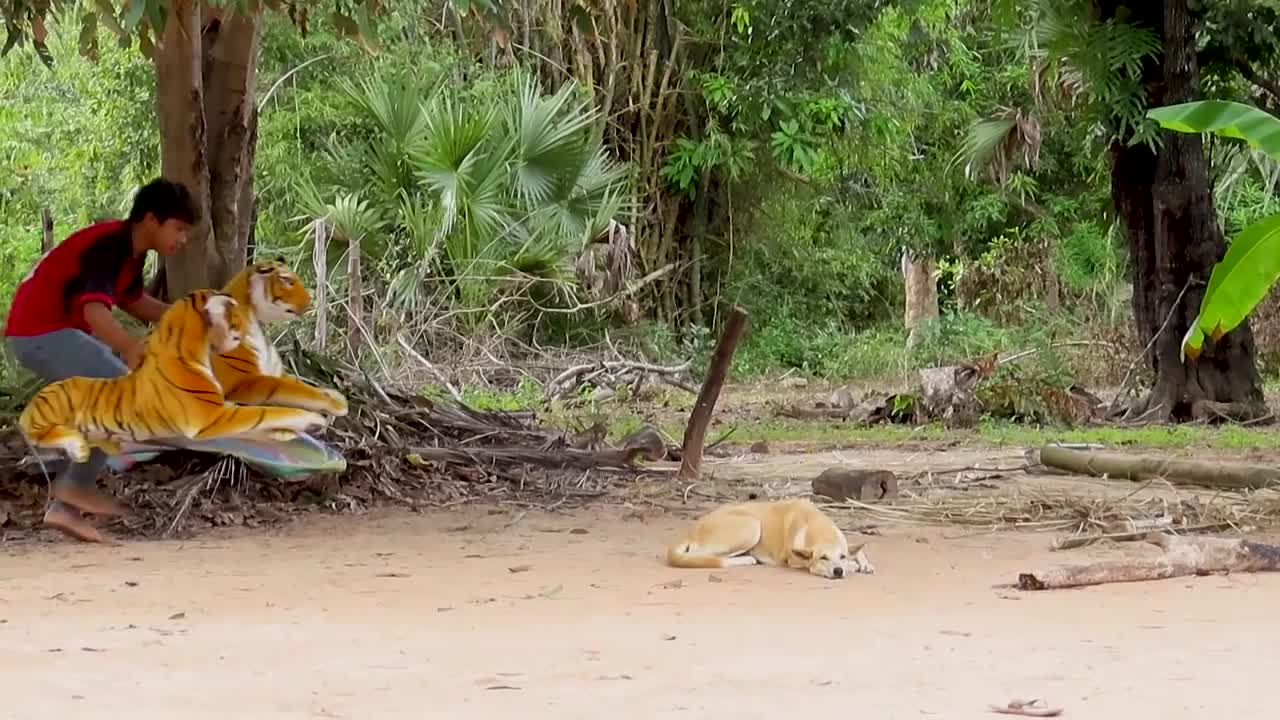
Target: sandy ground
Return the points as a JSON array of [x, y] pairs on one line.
[[487, 612]]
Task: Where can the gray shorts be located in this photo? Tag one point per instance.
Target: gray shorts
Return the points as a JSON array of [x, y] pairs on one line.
[[69, 353]]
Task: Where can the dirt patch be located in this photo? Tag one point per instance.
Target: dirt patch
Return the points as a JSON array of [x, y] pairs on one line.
[[497, 613]]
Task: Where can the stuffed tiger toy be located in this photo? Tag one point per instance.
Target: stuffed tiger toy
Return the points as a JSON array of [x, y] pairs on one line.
[[252, 373], [172, 392]]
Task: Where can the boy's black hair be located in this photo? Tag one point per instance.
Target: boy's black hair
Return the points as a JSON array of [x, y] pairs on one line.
[[102, 262], [166, 200]]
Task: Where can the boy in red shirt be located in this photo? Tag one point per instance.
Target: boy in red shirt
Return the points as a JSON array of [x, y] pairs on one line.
[[60, 322]]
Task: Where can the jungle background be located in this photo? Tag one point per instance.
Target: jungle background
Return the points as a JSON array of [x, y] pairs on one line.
[[495, 189]]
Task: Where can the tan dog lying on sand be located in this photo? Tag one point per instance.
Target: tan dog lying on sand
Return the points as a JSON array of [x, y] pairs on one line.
[[794, 533]]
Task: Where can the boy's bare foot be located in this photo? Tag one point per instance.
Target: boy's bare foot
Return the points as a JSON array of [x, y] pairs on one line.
[[89, 500], [71, 523]]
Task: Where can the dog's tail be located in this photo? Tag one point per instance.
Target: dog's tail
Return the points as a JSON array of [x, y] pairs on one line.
[[685, 554]]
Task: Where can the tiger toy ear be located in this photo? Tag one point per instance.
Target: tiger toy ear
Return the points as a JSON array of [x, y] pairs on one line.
[[217, 307], [280, 259]]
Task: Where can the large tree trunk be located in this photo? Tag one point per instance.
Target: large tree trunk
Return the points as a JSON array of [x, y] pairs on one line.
[[231, 62], [1168, 211], [206, 70]]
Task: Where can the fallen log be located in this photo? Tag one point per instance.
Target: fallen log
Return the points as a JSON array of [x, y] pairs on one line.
[[695, 432], [1218, 474], [1183, 557]]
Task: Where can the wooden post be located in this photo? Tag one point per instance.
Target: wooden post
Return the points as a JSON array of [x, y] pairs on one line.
[[320, 259], [696, 431], [355, 296], [46, 226]]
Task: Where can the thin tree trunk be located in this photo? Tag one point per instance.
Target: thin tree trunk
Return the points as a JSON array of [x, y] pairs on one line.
[[921, 295], [320, 257], [46, 229], [180, 109], [355, 294]]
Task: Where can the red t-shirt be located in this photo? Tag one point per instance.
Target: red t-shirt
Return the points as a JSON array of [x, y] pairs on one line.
[[41, 305]]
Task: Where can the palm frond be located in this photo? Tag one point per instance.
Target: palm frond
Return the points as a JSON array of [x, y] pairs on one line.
[[551, 142]]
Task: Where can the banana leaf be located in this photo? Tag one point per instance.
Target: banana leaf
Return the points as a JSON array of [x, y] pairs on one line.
[[1252, 263], [1237, 284], [1258, 128]]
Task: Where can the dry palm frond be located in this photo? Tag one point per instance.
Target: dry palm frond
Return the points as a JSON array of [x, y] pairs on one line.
[[996, 144]]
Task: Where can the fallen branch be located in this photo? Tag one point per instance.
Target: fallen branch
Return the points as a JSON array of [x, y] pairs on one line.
[[615, 372], [1072, 542], [1183, 557], [453, 392], [1236, 476], [623, 459], [1014, 357], [695, 432]]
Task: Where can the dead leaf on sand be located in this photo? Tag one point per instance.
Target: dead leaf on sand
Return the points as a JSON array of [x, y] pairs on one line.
[[1027, 708]]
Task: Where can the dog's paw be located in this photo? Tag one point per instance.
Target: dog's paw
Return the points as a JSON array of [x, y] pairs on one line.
[[860, 564]]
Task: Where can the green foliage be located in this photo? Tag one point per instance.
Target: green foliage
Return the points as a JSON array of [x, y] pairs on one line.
[[1079, 58], [76, 140], [498, 185], [828, 136], [144, 20]]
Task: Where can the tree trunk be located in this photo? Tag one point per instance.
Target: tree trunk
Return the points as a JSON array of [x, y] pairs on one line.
[[47, 241], [922, 295], [1174, 240], [180, 109], [206, 71]]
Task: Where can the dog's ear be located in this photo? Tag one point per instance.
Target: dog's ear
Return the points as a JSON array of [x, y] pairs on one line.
[[802, 553]]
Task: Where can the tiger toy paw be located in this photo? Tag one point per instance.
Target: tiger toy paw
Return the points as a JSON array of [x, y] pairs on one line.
[[313, 421], [110, 447], [77, 449], [281, 435], [337, 403]]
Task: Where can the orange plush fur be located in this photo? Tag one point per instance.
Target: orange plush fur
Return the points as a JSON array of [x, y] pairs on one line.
[[172, 392]]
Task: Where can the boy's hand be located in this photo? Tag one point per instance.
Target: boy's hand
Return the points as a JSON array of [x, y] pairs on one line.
[[106, 329], [132, 355]]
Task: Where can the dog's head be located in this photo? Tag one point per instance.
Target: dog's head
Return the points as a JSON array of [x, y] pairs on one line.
[[828, 559]]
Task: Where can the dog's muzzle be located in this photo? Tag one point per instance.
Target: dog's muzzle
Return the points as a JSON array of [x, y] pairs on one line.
[[837, 572]]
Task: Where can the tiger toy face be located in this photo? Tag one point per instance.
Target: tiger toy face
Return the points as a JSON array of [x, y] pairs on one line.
[[275, 292], [253, 373]]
